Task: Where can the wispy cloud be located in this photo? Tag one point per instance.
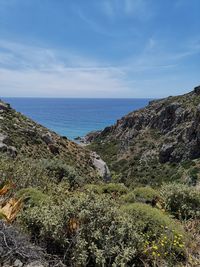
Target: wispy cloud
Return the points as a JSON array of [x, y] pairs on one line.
[[27, 70], [137, 9], [35, 71], [157, 54]]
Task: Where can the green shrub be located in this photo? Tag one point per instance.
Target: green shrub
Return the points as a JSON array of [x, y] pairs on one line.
[[32, 196], [128, 198], [193, 176], [181, 200], [107, 188], [187, 164], [24, 172], [60, 171], [146, 194], [101, 235], [114, 188], [163, 237], [97, 189]]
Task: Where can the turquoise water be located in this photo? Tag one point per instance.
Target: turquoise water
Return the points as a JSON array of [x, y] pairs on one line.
[[75, 117]]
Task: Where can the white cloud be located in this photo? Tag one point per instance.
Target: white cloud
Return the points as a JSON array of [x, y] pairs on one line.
[[35, 71], [62, 83]]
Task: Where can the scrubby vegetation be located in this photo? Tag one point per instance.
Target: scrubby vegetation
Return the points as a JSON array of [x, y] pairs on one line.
[[107, 224], [148, 215], [182, 201]]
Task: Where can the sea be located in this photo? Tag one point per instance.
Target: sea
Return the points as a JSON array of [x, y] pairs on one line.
[[75, 117]]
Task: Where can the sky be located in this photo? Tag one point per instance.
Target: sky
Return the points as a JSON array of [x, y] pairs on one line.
[[99, 48]]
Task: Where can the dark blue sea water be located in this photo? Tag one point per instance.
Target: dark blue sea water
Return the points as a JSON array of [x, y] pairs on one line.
[[75, 117]]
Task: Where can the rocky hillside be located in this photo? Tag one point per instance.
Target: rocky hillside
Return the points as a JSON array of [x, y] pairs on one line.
[[158, 143], [29, 145], [55, 210]]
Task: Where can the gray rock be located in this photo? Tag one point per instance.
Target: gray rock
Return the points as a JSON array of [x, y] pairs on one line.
[[165, 152], [35, 264], [4, 106], [47, 138], [12, 151], [3, 147], [101, 167], [18, 263], [2, 138]]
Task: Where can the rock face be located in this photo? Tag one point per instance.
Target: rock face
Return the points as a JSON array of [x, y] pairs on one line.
[[166, 131], [102, 167]]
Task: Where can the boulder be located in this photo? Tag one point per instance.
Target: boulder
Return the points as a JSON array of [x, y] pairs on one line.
[[165, 152], [4, 106], [47, 138], [12, 151], [101, 167], [18, 263]]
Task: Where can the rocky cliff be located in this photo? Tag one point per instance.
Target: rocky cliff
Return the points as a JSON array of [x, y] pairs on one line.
[[154, 144]]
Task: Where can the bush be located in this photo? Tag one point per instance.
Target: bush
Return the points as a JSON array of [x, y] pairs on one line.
[[95, 188], [146, 195], [187, 164], [59, 171], [181, 200], [114, 188], [109, 188], [128, 198], [193, 176], [24, 172], [32, 196], [163, 237], [87, 230]]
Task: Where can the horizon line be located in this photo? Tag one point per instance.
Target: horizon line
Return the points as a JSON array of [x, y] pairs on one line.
[[38, 97]]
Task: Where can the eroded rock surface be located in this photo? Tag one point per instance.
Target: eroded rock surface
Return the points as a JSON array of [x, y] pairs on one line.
[[102, 167], [169, 128]]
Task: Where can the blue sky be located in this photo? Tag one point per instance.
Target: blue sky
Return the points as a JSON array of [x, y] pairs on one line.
[[99, 48]]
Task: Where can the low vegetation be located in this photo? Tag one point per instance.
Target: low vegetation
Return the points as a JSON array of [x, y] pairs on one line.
[[108, 224], [63, 214]]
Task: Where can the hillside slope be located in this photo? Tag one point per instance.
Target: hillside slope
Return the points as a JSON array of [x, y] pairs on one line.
[[158, 143], [31, 146], [63, 214]]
